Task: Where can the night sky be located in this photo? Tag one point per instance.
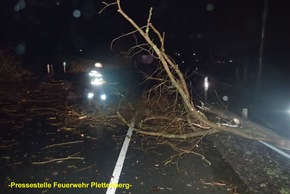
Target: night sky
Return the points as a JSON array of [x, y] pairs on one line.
[[40, 30]]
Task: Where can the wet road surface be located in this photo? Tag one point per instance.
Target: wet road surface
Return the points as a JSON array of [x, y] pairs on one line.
[[34, 150]]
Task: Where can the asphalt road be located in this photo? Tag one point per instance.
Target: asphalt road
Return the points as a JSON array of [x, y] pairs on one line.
[[150, 168], [90, 161]]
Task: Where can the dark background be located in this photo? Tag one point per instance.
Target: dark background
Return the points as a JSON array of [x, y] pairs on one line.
[[196, 36]]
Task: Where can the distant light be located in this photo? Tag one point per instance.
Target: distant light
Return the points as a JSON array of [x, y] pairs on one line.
[[194, 54], [98, 64], [58, 3], [90, 95], [76, 13], [225, 98], [81, 50], [182, 62], [231, 61], [103, 97], [146, 59], [210, 7], [196, 60]]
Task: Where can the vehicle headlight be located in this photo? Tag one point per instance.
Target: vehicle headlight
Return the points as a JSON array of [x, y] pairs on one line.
[[103, 97], [90, 95], [98, 65]]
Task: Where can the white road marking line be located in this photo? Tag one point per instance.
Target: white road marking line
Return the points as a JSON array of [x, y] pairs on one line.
[[119, 164], [287, 155]]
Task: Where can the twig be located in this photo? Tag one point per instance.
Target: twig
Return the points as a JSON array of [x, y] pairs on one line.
[[148, 21], [123, 35], [59, 159], [85, 168], [188, 151], [62, 144], [106, 6]]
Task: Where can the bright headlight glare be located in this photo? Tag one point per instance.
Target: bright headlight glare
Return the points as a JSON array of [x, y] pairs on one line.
[[103, 97], [90, 95], [206, 83], [95, 73], [98, 64], [97, 81]]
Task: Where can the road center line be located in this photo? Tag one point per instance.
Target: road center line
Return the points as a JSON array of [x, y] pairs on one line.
[[119, 164]]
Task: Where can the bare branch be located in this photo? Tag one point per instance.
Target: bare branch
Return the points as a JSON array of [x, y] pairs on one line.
[[148, 21], [106, 6], [161, 38], [177, 136], [196, 119], [124, 35]]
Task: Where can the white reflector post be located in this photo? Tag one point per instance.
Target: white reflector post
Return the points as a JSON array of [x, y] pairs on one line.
[[48, 68], [245, 113], [64, 67], [206, 85]]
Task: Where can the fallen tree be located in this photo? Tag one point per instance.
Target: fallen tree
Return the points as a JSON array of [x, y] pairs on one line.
[[185, 118]]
